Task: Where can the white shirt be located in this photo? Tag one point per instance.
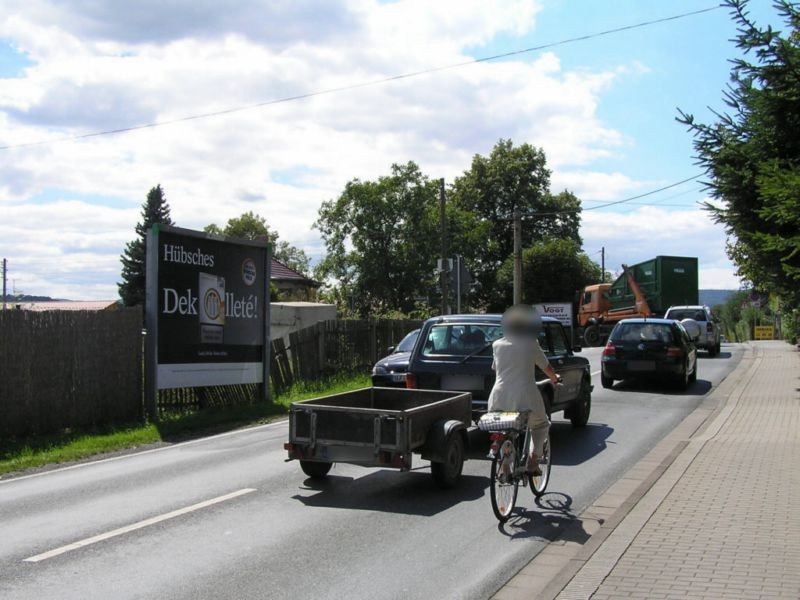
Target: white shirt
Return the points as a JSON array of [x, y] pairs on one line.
[[515, 387]]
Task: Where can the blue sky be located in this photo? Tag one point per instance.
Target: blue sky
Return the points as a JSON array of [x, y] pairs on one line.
[[603, 109], [12, 62]]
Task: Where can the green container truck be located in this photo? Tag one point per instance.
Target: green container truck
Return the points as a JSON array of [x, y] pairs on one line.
[[664, 281]]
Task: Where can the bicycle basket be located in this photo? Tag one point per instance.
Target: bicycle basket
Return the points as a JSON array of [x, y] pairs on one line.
[[500, 421]]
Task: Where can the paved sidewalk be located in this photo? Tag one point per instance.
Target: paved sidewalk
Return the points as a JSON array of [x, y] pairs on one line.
[[720, 518]]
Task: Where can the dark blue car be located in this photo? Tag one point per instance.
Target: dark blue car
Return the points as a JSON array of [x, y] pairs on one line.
[[390, 371], [650, 348]]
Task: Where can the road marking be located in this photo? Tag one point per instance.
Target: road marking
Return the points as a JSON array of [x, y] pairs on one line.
[[596, 372], [135, 526], [143, 452]]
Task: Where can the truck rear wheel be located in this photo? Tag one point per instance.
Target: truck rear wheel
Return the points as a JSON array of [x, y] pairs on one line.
[[447, 473], [315, 470], [591, 336]]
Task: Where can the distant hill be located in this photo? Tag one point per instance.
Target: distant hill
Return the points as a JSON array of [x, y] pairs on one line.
[[714, 297]]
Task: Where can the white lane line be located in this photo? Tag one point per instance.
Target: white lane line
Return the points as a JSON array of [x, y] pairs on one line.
[[595, 372], [135, 526], [134, 454]]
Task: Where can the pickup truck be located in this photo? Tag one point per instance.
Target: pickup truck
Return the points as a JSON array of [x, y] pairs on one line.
[[454, 352]]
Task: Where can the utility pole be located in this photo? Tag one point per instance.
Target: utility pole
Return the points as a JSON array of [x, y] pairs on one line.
[[517, 257], [458, 283], [444, 271], [603, 264], [5, 278]]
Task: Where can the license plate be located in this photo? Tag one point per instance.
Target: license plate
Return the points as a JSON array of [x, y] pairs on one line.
[[641, 365], [462, 383], [398, 377]]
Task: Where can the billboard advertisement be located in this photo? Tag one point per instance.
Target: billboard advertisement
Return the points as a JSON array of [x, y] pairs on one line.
[[207, 309]]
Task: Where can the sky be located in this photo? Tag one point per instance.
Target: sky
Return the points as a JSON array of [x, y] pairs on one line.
[[603, 109]]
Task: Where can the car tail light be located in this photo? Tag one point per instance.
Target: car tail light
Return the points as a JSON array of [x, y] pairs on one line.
[[411, 381], [610, 351], [288, 446], [674, 352]]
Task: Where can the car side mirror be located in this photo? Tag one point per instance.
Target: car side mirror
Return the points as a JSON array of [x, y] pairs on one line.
[[390, 350]]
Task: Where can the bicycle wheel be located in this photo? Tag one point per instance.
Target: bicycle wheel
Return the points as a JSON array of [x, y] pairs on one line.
[[539, 482], [503, 490]]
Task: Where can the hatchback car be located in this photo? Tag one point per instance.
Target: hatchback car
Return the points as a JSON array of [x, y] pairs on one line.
[[454, 352], [648, 349], [709, 328], [390, 371]]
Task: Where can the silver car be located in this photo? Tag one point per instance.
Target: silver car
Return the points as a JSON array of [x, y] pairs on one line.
[[709, 328]]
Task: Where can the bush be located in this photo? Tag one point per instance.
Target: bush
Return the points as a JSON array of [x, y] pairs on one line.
[[790, 325]]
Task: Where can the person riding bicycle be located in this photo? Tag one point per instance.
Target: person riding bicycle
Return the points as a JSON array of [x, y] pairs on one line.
[[515, 358]]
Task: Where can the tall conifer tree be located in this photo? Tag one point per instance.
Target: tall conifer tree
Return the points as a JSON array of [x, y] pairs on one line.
[[154, 210]]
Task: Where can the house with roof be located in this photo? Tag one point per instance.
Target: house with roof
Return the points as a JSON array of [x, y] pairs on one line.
[[45, 305], [293, 285]]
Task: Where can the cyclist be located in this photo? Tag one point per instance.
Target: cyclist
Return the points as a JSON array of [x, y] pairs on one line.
[[515, 357]]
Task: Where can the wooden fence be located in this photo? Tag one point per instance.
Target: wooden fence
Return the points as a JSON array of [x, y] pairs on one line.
[[330, 347], [66, 369], [77, 369]]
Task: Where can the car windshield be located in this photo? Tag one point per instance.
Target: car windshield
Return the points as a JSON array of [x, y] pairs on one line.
[[679, 314], [407, 343], [461, 339], [642, 332]]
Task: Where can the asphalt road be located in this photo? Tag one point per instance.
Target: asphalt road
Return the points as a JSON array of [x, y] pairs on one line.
[[226, 517]]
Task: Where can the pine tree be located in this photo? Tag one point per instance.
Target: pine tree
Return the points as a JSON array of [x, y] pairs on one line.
[[752, 153], [154, 210]]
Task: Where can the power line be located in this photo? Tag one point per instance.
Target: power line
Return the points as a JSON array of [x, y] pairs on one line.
[[650, 193], [607, 204], [662, 201], [363, 84]]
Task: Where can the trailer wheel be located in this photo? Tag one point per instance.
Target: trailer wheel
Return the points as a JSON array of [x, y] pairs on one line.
[[447, 473], [591, 336], [315, 470]]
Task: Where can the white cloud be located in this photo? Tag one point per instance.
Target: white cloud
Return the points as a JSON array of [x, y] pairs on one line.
[[116, 64], [594, 185], [640, 234]]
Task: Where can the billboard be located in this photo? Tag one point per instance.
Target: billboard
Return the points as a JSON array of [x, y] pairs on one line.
[[558, 310], [207, 309]]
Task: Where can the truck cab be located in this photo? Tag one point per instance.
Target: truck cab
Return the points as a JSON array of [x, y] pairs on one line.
[[594, 302]]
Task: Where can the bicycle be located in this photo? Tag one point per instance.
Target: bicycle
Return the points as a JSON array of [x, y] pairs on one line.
[[511, 445]]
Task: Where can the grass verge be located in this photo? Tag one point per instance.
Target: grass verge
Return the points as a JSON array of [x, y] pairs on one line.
[[30, 453]]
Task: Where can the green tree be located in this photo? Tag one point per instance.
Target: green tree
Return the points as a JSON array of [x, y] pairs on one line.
[[381, 239], [154, 210], [552, 271], [730, 313], [251, 226], [510, 178], [752, 153]]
